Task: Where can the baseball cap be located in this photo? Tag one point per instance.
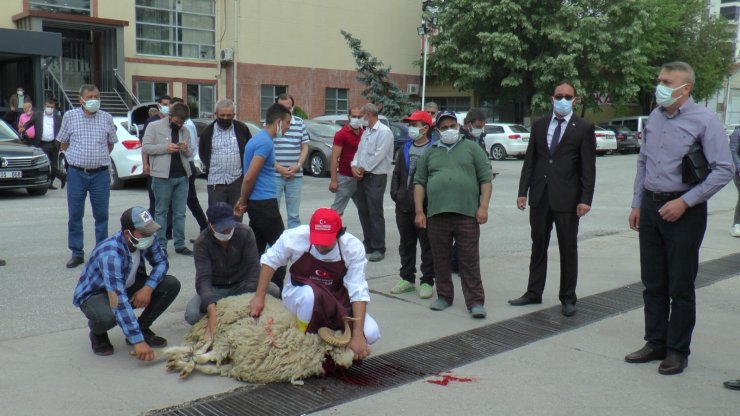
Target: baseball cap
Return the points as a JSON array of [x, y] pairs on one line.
[[445, 113], [325, 225], [139, 219], [221, 216], [422, 116]]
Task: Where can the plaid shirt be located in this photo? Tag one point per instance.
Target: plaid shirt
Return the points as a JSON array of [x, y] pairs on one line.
[[107, 270], [226, 164], [88, 137]]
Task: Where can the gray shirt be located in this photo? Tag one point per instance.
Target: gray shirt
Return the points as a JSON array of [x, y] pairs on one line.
[[375, 152], [666, 139]]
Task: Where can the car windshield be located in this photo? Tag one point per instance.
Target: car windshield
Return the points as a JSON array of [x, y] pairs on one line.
[[321, 129], [516, 128], [6, 132]]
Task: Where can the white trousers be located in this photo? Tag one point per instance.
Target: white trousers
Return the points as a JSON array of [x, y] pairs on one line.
[[300, 299]]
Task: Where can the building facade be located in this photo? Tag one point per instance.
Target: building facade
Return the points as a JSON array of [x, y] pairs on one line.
[[204, 50]]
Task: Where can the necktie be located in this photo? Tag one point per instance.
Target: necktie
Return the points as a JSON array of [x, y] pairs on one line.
[[556, 135]]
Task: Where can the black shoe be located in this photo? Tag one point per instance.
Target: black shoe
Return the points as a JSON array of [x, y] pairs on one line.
[[154, 340], [732, 384], [568, 309], [75, 261], [2, 262], [192, 241], [524, 300], [169, 236], [645, 355], [673, 364], [101, 344], [184, 251], [52, 187], [63, 180]]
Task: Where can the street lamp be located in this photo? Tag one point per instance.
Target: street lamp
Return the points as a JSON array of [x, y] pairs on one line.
[[422, 31]]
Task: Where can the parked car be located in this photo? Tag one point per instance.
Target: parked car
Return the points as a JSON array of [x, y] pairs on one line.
[[635, 123], [505, 139], [22, 166], [319, 148], [400, 137], [606, 141], [341, 119], [125, 158], [626, 139]]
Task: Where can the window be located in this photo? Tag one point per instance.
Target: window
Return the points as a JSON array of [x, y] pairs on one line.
[[201, 100], [493, 129], [457, 104], [81, 7], [149, 91], [268, 96], [729, 13], [336, 101], [182, 28]]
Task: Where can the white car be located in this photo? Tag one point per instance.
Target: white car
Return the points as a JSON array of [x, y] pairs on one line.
[[505, 139], [341, 119], [125, 158], [606, 141]]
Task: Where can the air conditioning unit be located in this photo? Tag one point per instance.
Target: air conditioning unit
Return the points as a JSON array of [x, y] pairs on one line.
[[227, 55], [412, 89]]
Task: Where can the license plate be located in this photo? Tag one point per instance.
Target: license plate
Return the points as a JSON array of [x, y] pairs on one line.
[[11, 174]]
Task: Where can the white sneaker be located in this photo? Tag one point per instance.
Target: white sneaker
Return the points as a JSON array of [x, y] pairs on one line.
[[735, 230]]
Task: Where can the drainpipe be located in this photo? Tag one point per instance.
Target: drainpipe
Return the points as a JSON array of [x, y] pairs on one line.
[[237, 17]]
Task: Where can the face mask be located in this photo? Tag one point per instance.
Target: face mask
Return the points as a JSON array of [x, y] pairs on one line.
[[355, 123], [449, 136], [223, 123], [279, 131], [49, 111], [223, 237], [92, 105], [20, 93], [414, 132], [165, 110], [664, 95], [142, 243], [365, 122], [476, 132], [562, 106]]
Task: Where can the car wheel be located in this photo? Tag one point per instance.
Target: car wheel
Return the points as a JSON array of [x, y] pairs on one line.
[[115, 181], [317, 164], [38, 191], [498, 152]]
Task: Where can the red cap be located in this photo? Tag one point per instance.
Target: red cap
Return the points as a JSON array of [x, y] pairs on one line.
[[325, 224], [422, 116]]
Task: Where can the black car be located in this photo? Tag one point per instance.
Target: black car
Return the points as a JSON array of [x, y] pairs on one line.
[[22, 166], [627, 141], [400, 137]]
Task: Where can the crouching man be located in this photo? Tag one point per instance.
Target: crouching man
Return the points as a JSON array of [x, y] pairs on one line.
[[327, 279], [226, 264], [114, 283]]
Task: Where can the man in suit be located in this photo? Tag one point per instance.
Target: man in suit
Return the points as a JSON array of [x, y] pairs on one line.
[[47, 125], [559, 173]]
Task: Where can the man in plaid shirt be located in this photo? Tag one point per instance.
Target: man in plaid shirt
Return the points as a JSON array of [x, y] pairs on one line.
[[87, 137], [114, 283]]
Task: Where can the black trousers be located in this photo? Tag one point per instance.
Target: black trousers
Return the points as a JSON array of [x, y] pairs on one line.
[[410, 234], [369, 200], [267, 224], [541, 219], [228, 193], [52, 152], [669, 261]]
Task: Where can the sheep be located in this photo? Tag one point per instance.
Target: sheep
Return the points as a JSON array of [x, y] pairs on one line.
[[268, 349]]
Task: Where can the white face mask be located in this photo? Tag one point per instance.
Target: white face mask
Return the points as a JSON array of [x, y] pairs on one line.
[[476, 132], [449, 136], [221, 236], [92, 105], [49, 111], [142, 243], [365, 123], [355, 122], [20, 93]]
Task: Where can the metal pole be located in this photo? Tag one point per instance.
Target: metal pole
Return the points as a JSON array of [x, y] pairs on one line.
[[424, 71], [235, 63]]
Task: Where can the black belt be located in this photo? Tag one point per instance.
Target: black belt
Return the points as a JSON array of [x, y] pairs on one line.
[[90, 170], [664, 196]]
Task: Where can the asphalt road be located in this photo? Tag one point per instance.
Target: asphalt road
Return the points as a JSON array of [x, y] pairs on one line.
[[36, 288]]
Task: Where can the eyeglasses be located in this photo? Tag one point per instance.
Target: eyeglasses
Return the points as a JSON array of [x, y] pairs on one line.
[[560, 97]]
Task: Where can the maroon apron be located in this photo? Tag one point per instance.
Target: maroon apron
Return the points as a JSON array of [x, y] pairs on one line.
[[326, 278]]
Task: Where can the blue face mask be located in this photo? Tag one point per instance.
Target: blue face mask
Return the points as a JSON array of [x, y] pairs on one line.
[[165, 110], [562, 107], [664, 95]]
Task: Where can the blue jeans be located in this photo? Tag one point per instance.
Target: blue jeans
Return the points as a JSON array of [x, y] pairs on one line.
[[79, 184], [292, 188], [171, 191]]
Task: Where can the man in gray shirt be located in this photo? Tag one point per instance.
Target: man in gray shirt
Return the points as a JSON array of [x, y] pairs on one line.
[[671, 216]]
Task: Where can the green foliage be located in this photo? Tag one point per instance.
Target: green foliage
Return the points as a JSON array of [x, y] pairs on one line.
[[194, 111], [520, 49], [298, 112], [381, 90]]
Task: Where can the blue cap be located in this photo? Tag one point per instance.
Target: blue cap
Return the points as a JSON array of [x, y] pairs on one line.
[[221, 216], [445, 113]]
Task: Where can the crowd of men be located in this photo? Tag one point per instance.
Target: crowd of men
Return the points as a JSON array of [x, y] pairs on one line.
[[441, 185]]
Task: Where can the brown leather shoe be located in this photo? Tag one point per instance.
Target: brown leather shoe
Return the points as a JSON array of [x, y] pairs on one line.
[[645, 355], [673, 364]]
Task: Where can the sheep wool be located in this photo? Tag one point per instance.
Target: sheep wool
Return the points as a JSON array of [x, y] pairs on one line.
[[268, 349]]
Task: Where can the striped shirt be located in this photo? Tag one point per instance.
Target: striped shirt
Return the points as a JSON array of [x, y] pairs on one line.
[[288, 147], [226, 164], [107, 270], [88, 137]]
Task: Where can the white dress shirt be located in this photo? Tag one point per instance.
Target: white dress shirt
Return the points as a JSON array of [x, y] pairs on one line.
[[48, 135], [554, 125], [375, 152]]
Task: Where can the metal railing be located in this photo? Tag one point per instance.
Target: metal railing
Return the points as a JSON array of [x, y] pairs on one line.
[[123, 91], [54, 89]]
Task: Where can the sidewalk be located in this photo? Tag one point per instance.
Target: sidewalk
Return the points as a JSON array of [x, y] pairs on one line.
[[578, 372]]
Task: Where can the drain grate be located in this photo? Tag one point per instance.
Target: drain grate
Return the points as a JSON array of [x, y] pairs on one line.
[[420, 361]]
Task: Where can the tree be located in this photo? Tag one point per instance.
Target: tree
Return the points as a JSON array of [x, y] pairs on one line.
[[381, 90]]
